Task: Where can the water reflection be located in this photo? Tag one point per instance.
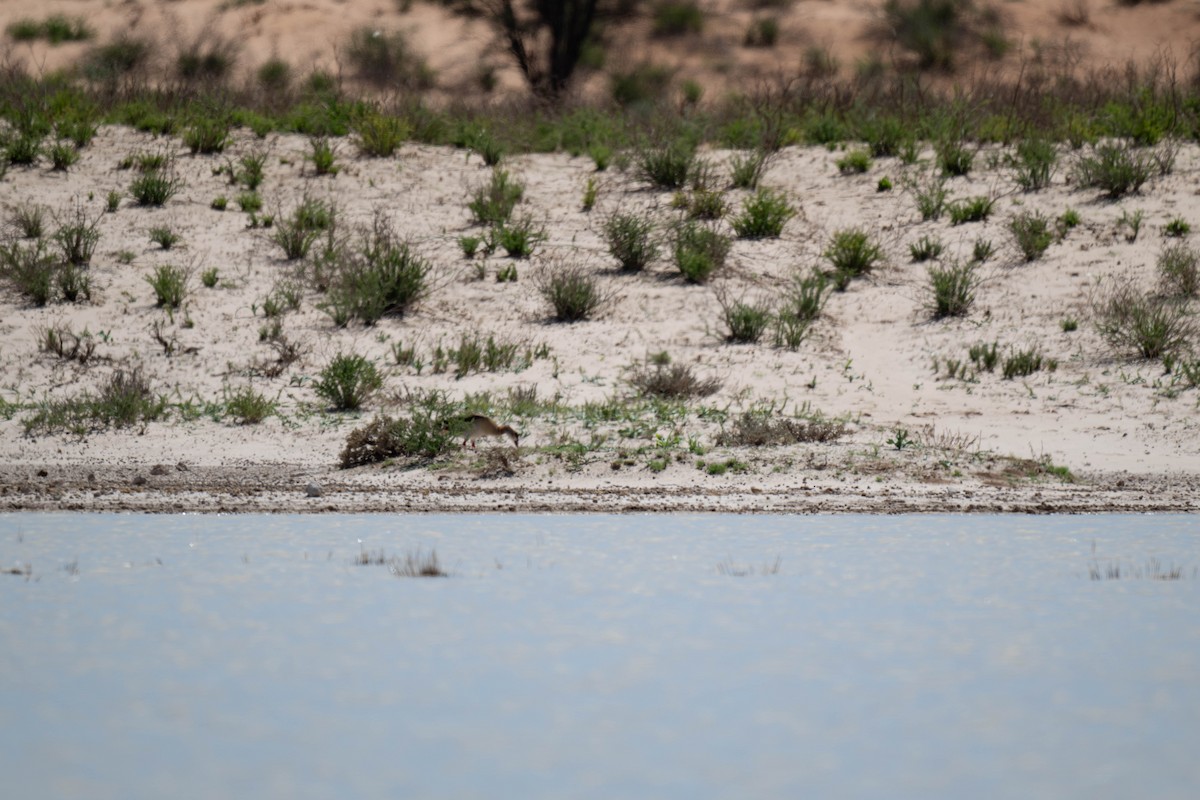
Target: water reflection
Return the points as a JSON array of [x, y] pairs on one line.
[[598, 657]]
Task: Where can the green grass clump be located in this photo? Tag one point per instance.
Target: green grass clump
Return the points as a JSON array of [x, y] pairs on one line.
[[926, 248], [28, 220], [855, 162], [386, 60], [379, 135], [1179, 270], [40, 277], [249, 202], [745, 323], [799, 308], [746, 169], [930, 195], [699, 251], [348, 381], [24, 149], [63, 155], [985, 356], [668, 166], [955, 158], [932, 30], [707, 204], [853, 254], [248, 407], [1021, 363], [761, 32], [164, 237], [630, 239], [973, 209], [664, 380], [571, 291], [120, 58], [55, 29], [677, 17], [323, 155], [1033, 163], [1149, 325], [952, 290], [208, 133], [380, 275], [77, 237], [763, 215], [493, 202], [155, 187], [475, 354], [296, 233], [1177, 228], [170, 285], [1032, 234], [519, 237], [1117, 169]]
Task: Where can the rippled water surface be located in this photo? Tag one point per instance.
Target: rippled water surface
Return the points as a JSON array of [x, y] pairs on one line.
[[600, 657]]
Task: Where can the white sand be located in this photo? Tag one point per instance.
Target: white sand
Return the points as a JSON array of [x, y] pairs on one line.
[[1120, 425]]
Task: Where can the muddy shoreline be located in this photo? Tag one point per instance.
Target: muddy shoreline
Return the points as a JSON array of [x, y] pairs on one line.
[[298, 489]]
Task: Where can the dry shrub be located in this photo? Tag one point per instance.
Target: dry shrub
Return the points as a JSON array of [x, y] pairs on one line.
[[756, 430], [672, 381]]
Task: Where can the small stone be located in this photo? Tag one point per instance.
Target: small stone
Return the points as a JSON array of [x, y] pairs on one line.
[[41, 473], [158, 469], [139, 480], [91, 477], [181, 467], [313, 490]]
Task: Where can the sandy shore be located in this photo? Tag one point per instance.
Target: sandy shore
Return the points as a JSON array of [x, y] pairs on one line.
[[1101, 431], [280, 488]]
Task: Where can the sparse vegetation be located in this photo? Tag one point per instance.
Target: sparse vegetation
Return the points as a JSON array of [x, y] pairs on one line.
[[378, 275], [248, 407], [663, 379], [853, 254], [1031, 233], [973, 209], [855, 162], [170, 285], [1033, 163], [1022, 363], [744, 322], [930, 194], [952, 289], [763, 215], [348, 381], [926, 248], [572, 291], [493, 202], [630, 240], [699, 251], [1118, 169], [799, 308], [124, 400], [1150, 326], [753, 429], [1179, 270], [154, 187], [667, 166]]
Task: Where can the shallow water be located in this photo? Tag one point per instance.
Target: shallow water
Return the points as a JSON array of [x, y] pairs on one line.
[[599, 657]]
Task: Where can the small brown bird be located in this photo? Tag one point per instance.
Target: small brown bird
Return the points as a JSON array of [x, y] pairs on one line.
[[479, 426]]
